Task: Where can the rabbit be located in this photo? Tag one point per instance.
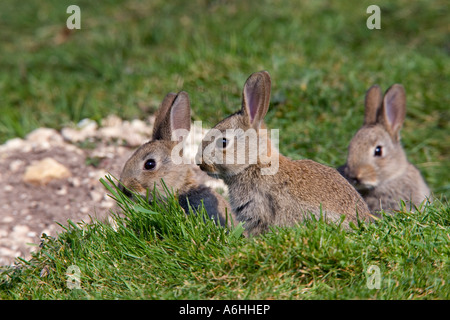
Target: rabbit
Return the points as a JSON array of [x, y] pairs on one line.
[[153, 161], [376, 163], [283, 192]]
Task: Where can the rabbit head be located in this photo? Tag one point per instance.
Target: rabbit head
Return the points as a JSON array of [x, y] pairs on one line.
[[240, 140], [375, 154], [159, 159]]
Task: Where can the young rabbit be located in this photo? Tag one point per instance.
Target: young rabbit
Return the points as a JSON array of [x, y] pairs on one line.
[[272, 190], [376, 162], [154, 161]]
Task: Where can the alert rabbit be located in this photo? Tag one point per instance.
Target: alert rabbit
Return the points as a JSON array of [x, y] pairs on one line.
[[376, 163], [153, 161], [272, 190]]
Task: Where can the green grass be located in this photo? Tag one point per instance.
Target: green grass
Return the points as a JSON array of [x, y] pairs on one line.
[[156, 251], [321, 58]]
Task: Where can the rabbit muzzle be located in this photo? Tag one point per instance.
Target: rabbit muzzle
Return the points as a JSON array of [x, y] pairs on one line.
[[362, 178], [125, 190], [205, 166], [209, 170]]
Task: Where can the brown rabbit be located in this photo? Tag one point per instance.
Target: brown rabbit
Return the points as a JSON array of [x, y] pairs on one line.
[[272, 190], [154, 161], [376, 162]]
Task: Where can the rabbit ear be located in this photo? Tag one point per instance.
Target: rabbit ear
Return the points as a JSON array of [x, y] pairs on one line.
[[394, 110], [174, 115], [373, 102], [256, 97], [180, 116], [161, 116]]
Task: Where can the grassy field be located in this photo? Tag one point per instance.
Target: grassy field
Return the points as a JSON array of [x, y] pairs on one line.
[[321, 57]]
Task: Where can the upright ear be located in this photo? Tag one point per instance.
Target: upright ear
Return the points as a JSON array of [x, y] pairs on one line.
[[373, 101], [161, 116], [394, 110], [180, 116], [174, 116], [256, 98]]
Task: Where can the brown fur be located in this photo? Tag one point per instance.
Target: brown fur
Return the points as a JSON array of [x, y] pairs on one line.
[[287, 197], [383, 180], [173, 114]]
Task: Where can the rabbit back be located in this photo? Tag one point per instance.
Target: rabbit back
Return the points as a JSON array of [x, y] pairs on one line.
[[300, 188]]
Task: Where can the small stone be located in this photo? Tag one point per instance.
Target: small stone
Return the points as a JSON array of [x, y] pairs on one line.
[[87, 124], [97, 174], [134, 133], [62, 191], [15, 165], [107, 204], [84, 210], [45, 171], [75, 182], [20, 230], [15, 144], [72, 135], [86, 128], [96, 196], [7, 219], [5, 252], [44, 138], [31, 234], [111, 121], [111, 132]]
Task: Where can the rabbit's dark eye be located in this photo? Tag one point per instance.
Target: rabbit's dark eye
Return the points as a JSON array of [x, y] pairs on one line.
[[222, 143], [378, 152], [150, 164]]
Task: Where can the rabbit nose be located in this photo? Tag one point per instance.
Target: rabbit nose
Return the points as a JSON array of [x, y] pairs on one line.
[[125, 191], [203, 167], [353, 180], [348, 174]]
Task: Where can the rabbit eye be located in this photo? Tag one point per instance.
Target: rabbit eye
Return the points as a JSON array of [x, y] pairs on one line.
[[150, 164], [378, 152], [222, 143]]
